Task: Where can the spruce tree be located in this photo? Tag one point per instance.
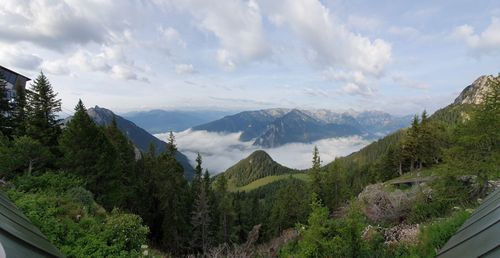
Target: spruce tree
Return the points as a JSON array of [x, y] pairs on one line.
[[171, 146], [198, 176], [121, 193], [315, 173], [87, 152], [43, 105], [200, 221]]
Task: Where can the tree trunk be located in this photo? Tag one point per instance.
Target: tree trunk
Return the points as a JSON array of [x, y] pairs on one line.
[[400, 168], [30, 167]]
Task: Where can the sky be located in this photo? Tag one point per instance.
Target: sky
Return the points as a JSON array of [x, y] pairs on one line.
[[396, 56]]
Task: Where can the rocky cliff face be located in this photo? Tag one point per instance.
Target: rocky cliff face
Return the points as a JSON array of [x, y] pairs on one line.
[[473, 94]]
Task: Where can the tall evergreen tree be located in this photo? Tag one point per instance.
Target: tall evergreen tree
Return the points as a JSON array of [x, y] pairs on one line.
[[224, 210], [42, 108], [171, 146], [198, 176], [315, 173], [121, 194], [200, 221], [88, 153]]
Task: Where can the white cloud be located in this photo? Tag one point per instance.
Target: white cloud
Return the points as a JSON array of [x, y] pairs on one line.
[[330, 43], [126, 73], [355, 82], [51, 23], [172, 36], [409, 83], [237, 25], [356, 89], [220, 151], [344, 76], [487, 41], [58, 67], [15, 56], [185, 69]]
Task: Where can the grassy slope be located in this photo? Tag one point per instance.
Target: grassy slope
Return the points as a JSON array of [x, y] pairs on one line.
[[265, 181]]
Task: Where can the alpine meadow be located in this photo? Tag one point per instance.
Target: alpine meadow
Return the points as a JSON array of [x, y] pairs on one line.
[[249, 128]]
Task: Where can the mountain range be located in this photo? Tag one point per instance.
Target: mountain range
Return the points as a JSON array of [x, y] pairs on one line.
[[160, 121], [138, 136], [259, 164], [275, 127]]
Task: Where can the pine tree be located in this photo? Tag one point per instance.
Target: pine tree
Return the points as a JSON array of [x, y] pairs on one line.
[[410, 142], [198, 176], [206, 180], [315, 173], [200, 221], [87, 152], [171, 146], [224, 209], [121, 194], [6, 123], [42, 107]]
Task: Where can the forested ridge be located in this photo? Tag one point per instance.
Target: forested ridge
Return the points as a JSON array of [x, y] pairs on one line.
[[85, 188]]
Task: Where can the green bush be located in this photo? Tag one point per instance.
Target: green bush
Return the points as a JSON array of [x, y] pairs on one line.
[[433, 236], [63, 220], [57, 182], [81, 195]]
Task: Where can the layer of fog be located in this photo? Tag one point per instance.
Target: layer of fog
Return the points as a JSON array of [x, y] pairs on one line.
[[222, 150]]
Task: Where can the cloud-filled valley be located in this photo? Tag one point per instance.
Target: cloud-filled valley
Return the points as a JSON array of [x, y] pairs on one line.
[[222, 150]]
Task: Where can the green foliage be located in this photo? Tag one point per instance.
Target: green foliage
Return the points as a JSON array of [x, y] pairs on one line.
[[433, 236], [56, 182], [88, 152], [124, 232], [258, 165], [76, 230], [268, 180], [323, 237], [42, 108], [81, 195], [23, 155], [290, 206], [476, 147]]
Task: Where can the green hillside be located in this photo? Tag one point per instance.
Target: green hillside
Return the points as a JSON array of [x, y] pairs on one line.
[[267, 180], [258, 165]]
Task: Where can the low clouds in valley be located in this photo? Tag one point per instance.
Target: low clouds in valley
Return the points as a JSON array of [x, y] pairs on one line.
[[222, 150]]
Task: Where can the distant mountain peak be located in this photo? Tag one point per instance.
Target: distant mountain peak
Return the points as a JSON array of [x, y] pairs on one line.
[[473, 94]]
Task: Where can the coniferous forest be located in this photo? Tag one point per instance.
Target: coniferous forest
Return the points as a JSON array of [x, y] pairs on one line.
[[93, 194]]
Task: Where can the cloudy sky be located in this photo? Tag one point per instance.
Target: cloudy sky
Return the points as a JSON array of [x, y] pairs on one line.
[[396, 56]]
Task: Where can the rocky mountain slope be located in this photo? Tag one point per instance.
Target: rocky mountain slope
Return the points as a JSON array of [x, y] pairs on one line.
[[473, 94], [275, 127]]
